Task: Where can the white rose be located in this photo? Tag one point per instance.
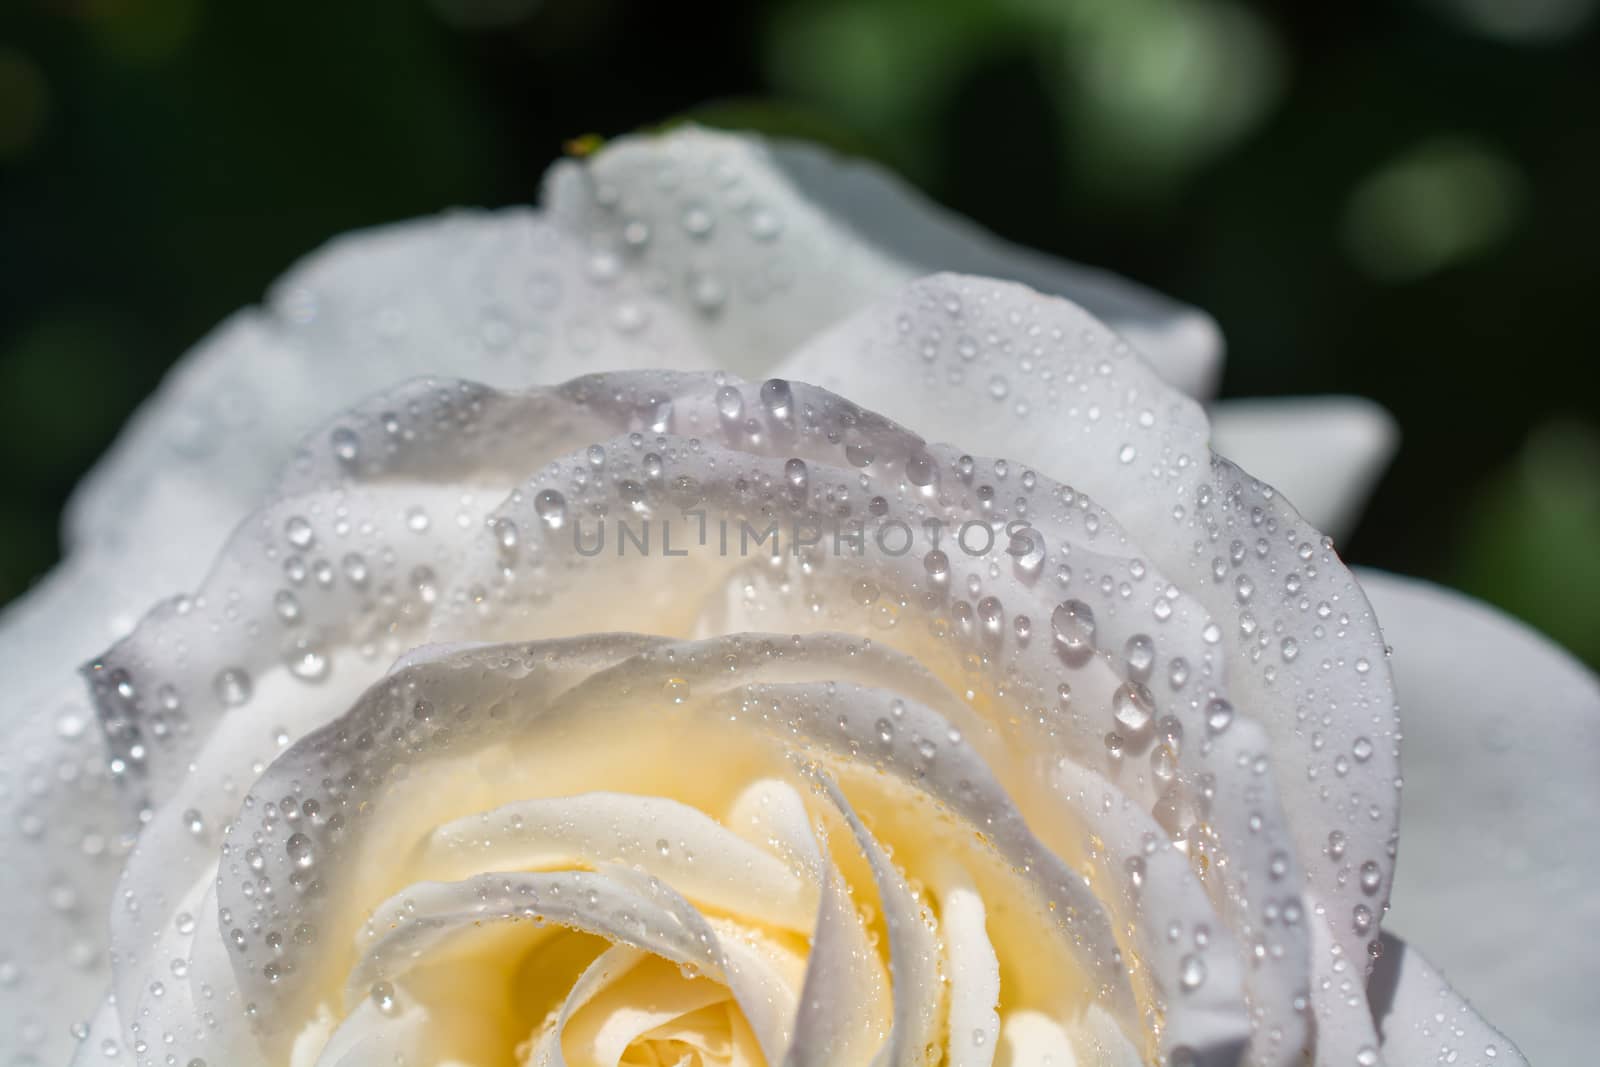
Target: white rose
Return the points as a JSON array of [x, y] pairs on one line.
[[414, 776]]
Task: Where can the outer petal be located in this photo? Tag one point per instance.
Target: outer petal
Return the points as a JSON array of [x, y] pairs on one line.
[[1423, 1020], [501, 297], [1500, 867], [1324, 453], [775, 240], [64, 832]]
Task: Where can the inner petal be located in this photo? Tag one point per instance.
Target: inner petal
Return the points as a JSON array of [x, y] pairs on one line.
[[654, 1003]]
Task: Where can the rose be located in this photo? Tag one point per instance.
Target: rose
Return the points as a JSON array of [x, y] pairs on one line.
[[317, 875]]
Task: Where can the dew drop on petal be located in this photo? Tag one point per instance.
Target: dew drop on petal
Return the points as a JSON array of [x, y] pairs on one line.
[[777, 398], [383, 998], [1191, 973], [233, 686], [1072, 622], [730, 403], [551, 507], [1132, 707]]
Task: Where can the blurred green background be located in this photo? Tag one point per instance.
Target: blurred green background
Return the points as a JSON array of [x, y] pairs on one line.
[[1394, 199]]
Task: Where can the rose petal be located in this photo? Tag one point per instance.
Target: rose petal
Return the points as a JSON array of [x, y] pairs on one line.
[[607, 968], [1324, 454], [843, 1007], [616, 903], [1159, 896], [64, 831], [1423, 1020], [703, 861], [504, 296], [973, 969], [101, 1037], [915, 982], [622, 1014], [1003, 368], [1502, 736], [775, 240]]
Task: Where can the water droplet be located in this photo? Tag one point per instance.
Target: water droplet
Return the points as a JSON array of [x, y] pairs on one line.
[[1140, 654], [298, 531], [1073, 624], [1191, 973], [1164, 763], [777, 398], [991, 614], [346, 445], [636, 233], [384, 999], [355, 569], [551, 507], [730, 403], [233, 686], [1133, 707], [765, 224], [287, 606], [629, 317], [1219, 715], [300, 851], [1371, 877], [708, 292], [698, 222], [505, 535], [306, 659]]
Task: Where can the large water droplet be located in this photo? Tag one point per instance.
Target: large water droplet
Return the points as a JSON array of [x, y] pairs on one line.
[[551, 507], [777, 398], [730, 403], [1132, 707], [1072, 622], [920, 470]]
